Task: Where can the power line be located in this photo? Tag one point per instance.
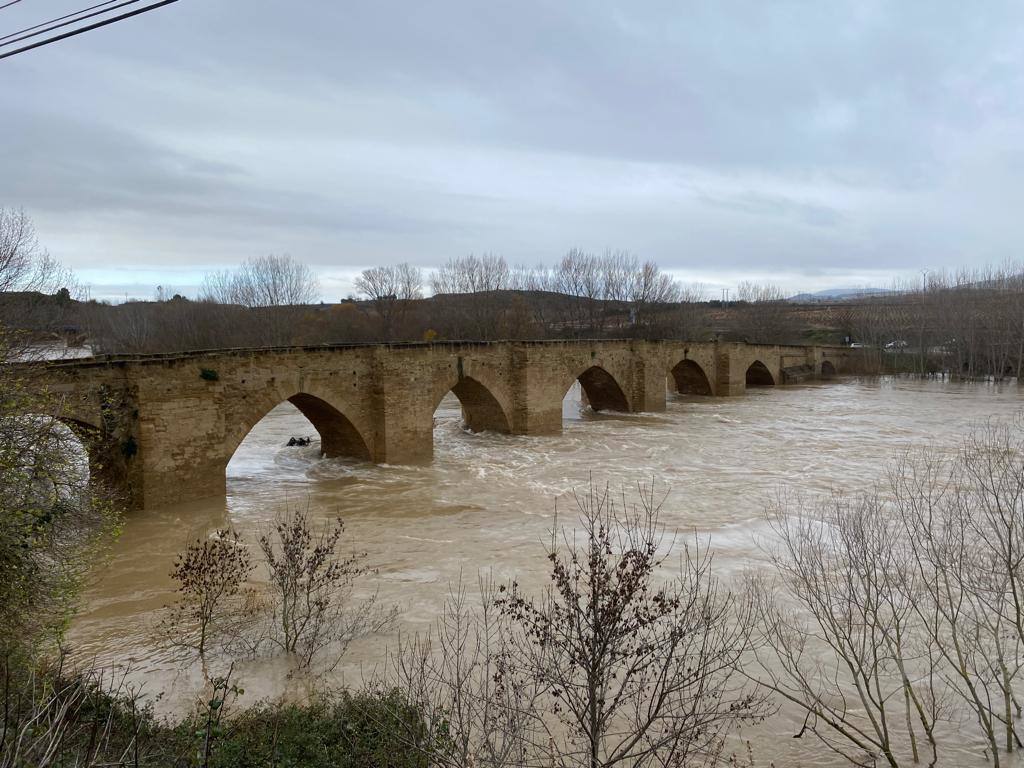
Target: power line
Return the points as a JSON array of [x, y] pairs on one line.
[[12, 2], [79, 16], [59, 18], [87, 28]]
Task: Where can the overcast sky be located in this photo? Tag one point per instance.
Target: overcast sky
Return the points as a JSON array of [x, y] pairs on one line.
[[813, 144]]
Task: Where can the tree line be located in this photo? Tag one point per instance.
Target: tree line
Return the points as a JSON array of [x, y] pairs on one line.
[[966, 324], [270, 301]]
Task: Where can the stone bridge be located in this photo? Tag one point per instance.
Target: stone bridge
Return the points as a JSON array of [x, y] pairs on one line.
[[161, 429]]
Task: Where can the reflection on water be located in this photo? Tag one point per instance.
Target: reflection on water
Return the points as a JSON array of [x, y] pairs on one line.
[[487, 499]]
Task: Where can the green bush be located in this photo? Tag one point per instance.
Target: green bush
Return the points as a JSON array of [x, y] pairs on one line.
[[85, 719], [358, 730]]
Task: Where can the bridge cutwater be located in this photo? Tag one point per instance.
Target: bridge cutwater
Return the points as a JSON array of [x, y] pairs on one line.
[[160, 429]]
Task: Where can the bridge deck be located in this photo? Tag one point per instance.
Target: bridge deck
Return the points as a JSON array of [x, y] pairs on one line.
[[166, 425]]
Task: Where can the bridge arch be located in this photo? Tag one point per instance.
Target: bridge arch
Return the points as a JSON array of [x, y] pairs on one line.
[[89, 438], [828, 370], [690, 378], [102, 458], [481, 408], [85, 431], [758, 375], [602, 389], [339, 436]]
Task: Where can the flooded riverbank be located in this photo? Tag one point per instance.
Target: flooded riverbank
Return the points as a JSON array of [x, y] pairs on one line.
[[487, 500]]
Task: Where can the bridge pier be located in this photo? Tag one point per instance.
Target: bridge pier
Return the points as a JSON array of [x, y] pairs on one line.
[[532, 402], [650, 393]]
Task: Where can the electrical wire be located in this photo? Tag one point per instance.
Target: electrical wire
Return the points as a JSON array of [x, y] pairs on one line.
[[59, 18], [87, 28], [79, 16]]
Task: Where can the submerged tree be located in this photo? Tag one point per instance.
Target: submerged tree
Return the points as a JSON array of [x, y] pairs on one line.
[[963, 518], [610, 666], [459, 678], [908, 605], [637, 671], [846, 647], [311, 590], [210, 574]]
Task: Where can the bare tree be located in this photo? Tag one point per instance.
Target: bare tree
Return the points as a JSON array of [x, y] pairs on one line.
[[311, 590], [459, 679], [23, 262], [966, 324], [762, 314], [909, 605], [619, 269], [753, 292], [36, 292], [469, 286], [690, 318], [472, 274], [275, 290], [210, 574], [264, 281], [591, 293], [636, 672], [608, 667], [962, 516], [390, 289], [850, 654], [650, 289]]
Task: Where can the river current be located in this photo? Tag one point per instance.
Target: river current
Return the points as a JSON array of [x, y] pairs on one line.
[[486, 502]]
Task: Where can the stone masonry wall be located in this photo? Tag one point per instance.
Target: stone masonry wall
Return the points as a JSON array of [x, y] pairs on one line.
[[167, 426]]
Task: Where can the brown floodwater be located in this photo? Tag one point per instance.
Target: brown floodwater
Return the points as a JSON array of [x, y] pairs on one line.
[[487, 500]]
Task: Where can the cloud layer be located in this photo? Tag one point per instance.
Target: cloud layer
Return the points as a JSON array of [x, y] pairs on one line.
[[816, 143]]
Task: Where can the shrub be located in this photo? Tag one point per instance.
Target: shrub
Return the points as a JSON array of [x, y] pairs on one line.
[[359, 730], [311, 589], [94, 718], [210, 574]]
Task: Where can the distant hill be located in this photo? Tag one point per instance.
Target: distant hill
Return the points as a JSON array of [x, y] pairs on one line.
[[834, 294]]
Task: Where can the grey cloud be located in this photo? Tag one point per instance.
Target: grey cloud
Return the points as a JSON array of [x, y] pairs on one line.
[[61, 165], [759, 204], [58, 161], [795, 134]]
